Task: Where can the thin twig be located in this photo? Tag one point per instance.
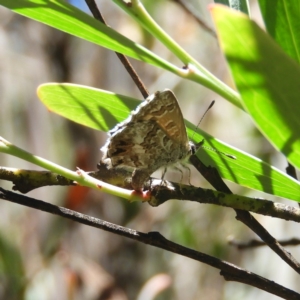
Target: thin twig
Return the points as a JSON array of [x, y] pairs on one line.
[[255, 243], [127, 65], [228, 270]]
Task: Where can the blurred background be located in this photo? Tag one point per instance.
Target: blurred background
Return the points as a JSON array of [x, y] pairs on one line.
[[42, 255]]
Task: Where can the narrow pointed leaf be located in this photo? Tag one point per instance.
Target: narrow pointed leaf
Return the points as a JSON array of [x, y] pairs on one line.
[[65, 17], [283, 24], [102, 110], [267, 79]]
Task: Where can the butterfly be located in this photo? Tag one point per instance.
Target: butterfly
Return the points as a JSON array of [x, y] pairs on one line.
[[153, 136]]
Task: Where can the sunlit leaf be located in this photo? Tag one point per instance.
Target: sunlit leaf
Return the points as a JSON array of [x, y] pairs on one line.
[[267, 79], [102, 110]]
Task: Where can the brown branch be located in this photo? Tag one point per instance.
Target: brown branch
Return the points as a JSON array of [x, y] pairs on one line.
[[127, 65], [175, 191], [27, 180], [228, 270], [255, 243], [213, 177]]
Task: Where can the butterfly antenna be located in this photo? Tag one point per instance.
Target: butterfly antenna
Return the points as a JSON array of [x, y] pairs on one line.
[[200, 144], [210, 106]]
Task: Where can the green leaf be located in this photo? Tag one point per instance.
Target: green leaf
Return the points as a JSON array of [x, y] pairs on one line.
[[67, 18], [102, 110], [267, 79], [194, 70], [283, 24], [248, 171], [98, 109]]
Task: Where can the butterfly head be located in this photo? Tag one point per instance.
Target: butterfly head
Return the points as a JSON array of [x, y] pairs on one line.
[[193, 148]]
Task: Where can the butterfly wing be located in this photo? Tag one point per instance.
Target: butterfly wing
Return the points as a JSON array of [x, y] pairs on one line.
[[142, 145], [163, 108], [153, 136]]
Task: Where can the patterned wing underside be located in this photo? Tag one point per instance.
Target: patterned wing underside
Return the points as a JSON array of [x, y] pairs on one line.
[[165, 111], [130, 147], [153, 136]]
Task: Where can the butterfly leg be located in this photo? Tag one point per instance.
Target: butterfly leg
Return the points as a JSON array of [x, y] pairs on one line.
[[181, 173], [181, 178], [189, 170], [163, 176]]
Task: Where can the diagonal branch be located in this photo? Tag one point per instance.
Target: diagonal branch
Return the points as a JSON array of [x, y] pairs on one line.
[[124, 60], [255, 243], [212, 175]]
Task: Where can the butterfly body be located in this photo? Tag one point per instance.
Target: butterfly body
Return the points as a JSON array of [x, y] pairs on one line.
[[153, 136]]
